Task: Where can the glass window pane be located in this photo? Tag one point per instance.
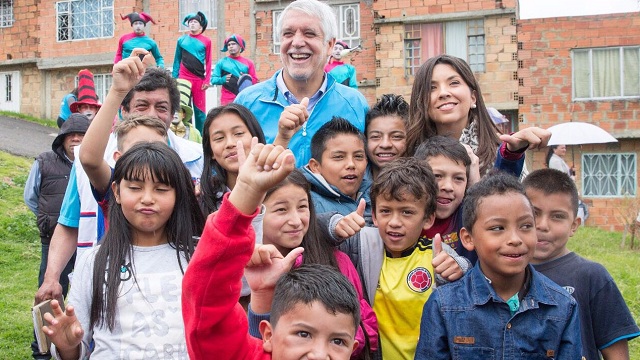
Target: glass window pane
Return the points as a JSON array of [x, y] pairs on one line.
[[581, 74], [455, 39], [606, 72], [631, 69]]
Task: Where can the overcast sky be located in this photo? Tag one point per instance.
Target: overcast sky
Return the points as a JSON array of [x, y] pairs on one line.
[[530, 9]]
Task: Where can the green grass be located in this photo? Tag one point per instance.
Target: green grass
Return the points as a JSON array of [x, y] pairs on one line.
[[20, 256], [19, 259], [45, 122]]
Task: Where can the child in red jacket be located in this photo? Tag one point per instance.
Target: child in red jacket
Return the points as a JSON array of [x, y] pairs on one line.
[[315, 310]]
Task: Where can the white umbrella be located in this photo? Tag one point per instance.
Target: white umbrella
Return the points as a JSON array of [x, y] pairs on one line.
[[578, 133], [496, 116]]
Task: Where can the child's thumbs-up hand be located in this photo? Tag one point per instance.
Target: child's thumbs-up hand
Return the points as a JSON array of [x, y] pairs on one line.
[[443, 264], [352, 223]]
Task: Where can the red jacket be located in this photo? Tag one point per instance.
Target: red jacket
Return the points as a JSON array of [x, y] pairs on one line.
[[215, 323]]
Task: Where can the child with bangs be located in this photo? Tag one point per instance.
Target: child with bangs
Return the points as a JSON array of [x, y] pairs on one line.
[[131, 283], [337, 169], [290, 222], [315, 310], [386, 131]]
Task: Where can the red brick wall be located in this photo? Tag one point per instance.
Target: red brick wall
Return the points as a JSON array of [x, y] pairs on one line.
[[20, 41], [547, 88]]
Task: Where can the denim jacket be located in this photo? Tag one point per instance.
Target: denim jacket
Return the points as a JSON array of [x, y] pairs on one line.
[[467, 320]]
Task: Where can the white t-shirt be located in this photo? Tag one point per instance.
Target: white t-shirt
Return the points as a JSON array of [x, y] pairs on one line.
[[148, 323]]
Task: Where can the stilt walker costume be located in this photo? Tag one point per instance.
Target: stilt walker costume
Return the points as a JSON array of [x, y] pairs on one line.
[[345, 74], [192, 62], [138, 39], [234, 65]]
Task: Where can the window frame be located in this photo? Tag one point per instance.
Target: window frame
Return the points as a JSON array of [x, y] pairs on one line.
[[106, 12], [621, 79], [473, 31], [208, 8], [6, 14], [622, 170], [340, 10]]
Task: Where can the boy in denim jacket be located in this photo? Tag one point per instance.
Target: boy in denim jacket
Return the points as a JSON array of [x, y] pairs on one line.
[[502, 308]]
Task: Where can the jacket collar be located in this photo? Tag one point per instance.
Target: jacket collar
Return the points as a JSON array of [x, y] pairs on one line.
[[483, 292]]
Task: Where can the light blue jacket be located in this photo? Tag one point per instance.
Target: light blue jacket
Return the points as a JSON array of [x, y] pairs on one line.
[[266, 102], [327, 198]]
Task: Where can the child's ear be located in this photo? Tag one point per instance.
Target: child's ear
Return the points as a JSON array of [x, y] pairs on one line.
[[428, 222], [116, 155], [116, 191], [467, 239], [574, 226], [314, 166], [267, 333], [355, 345], [373, 217]]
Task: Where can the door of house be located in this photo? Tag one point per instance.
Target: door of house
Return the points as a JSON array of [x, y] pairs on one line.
[[10, 91]]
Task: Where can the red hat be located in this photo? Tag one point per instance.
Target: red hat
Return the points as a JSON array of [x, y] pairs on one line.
[[134, 16], [86, 91]]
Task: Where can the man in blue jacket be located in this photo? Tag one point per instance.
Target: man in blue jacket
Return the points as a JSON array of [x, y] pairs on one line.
[[307, 31]]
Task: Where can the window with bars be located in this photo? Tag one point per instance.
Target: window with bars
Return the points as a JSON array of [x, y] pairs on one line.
[[606, 73], [609, 175], [84, 19], [6, 13], [8, 87], [348, 19], [208, 8], [464, 39]]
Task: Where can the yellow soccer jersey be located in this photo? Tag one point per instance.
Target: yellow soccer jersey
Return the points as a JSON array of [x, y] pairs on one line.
[[404, 287]]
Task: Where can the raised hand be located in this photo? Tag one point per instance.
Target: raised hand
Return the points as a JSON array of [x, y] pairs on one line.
[[267, 265], [264, 167], [352, 223], [474, 169], [532, 137], [443, 264], [128, 72], [64, 330], [263, 271]]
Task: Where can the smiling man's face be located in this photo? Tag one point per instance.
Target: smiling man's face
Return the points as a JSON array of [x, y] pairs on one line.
[[303, 50]]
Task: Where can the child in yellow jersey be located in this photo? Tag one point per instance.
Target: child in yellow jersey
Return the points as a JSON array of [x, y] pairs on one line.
[[397, 266]]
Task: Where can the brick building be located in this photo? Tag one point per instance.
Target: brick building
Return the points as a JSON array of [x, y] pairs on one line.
[[46, 43], [587, 69], [483, 32]]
